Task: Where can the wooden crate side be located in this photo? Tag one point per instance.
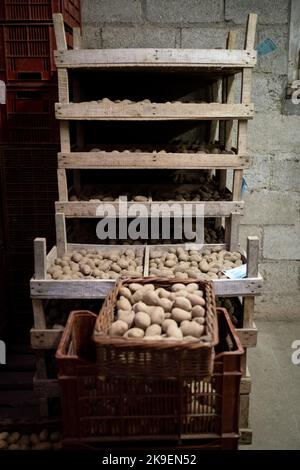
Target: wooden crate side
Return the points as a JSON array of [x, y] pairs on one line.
[[153, 111]]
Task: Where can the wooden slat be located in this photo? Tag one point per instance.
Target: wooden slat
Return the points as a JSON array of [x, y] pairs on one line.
[[63, 85], [237, 185], [143, 160], [98, 288], [152, 111], [39, 318], [189, 208], [65, 144], [62, 185], [61, 235], [245, 436], [245, 387], [203, 58], [250, 32], [76, 39], [248, 311], [46, 388], [234, 231], [60, 35], [40, 258], [252, 256], [44, 338], [248, 336], [244, 411]]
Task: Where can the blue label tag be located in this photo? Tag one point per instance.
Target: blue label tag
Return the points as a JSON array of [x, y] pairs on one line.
[[236, 273], [244, 185], [266, 47]]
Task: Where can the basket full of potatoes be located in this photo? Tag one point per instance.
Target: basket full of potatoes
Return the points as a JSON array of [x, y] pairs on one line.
[[157, 326]]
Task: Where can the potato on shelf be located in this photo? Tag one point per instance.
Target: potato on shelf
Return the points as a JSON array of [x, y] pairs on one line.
[[205, 191], [108, 264], [207, 264]]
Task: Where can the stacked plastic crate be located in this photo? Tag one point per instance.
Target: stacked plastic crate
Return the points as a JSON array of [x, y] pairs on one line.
[[29, 134]]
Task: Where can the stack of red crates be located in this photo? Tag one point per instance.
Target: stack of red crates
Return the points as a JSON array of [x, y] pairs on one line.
[[29, 133]]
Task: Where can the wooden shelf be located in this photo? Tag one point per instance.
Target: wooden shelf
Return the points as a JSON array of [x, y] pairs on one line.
[[150, 160], [153, 111], [86, 209], [220, 59]]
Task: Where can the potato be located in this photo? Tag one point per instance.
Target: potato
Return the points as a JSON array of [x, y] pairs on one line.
[[4, 435], [34, 439], [14, 447], [174, 332], [127, 316], [3, 444], [134, 333], [142, 320], [198, 311], [141, 307], [25, 440], [195, 299], [123, 304], [191, 328], [43, 446], [191, 287], [199, 320], [182, 303], [177, 287], [44, 434], [163, 293], [55, 436], [157, 315], [151, 298], [180, 315], [166, 323], [125, 292], [13, 437], [190, 338], [116, 268], [85, 269], [118, 328], [166, 304], [153, 330], [134, 286]]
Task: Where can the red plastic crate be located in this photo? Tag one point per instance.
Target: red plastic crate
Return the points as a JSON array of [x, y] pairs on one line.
[[28, 51], [28, 116], [40, 10]]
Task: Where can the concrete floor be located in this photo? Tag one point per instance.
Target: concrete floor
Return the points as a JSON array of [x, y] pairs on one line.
[[275, 398]]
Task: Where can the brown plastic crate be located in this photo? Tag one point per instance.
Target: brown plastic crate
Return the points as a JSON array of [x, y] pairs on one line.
[[28, 51], [136, 356], [40, 10], [100, 407]]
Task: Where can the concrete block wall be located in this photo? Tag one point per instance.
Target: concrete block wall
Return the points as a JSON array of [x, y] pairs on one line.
[[273, 197]]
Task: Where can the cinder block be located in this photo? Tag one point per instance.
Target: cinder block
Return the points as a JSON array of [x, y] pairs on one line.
[[280, 276], [278, 307], [250, 230], [267, 91], [270, 133], [91, 37], [268, 11], [137, 36], [286, 173], [276, 61], [258, 176], [271, 208], [108, 11], [183, 12], [282, 242], [210, 37]]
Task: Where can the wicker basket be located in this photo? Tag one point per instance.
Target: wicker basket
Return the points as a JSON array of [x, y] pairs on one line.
[[156, 358], [99, 408]]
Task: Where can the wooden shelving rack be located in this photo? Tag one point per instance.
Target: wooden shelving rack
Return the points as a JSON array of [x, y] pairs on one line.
[[224, 65]]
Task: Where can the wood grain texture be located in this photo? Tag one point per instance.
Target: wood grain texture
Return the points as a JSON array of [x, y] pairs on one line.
[[39, 318], [152, 111], [59, 29], [40, 267], [144, 160], [248, 336], [204, 58], [44, 338], [189, 208], [61, 234]]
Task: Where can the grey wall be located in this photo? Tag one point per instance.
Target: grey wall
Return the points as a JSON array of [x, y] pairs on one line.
[[272, 199]]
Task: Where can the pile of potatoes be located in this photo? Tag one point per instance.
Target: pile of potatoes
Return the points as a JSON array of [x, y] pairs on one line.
[[178, 147], [45, 440], [207, 264], [98, 193], [82, 264], [206, 191], [143, 311]]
